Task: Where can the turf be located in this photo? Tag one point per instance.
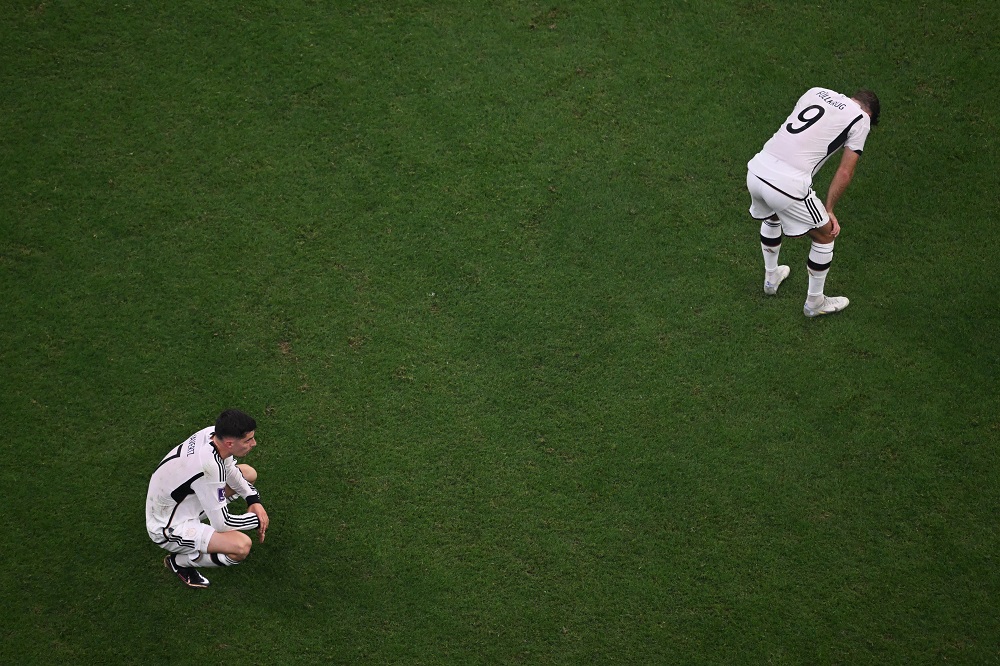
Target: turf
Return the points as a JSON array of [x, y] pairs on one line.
[[484, 274]]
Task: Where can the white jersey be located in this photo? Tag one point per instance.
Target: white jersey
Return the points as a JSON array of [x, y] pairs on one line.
[[190, 482], [822, 122]]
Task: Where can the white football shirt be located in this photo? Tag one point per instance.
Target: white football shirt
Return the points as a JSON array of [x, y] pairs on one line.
[[191, 480], [822, 122]]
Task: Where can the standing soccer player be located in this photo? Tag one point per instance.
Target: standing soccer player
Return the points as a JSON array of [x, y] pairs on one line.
[[196, 480], [779, 179]]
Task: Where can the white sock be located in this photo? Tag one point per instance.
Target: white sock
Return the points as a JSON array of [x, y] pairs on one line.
[[206, 560], [820, 258], [770, 245]]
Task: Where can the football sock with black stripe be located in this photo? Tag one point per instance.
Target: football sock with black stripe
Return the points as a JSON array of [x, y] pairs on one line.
[[820, 258], [205, 560], [770, 245]]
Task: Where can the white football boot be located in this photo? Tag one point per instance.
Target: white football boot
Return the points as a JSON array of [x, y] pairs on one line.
[[771, 286], [829, 305]]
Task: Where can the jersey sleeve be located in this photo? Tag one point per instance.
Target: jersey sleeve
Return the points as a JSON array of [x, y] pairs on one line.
[[223, 521], [858, 135], [211, 487]]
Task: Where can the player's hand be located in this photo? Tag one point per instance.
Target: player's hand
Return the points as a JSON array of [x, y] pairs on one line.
[[835, 229], [258, 509]]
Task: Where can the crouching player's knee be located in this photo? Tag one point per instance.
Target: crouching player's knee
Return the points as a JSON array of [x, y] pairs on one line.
[[241, 548], [249, 473], [234, 545]]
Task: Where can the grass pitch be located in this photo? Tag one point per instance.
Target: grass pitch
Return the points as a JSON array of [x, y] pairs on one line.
[[484, 274]]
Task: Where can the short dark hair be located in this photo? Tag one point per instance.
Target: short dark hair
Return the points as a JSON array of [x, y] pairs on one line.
[[870, 100], [234, 423]]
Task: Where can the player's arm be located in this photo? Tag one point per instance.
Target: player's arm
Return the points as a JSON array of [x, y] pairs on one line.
[[841, 179], [211, 493], [223, 521], [236, 481], [262, 520]]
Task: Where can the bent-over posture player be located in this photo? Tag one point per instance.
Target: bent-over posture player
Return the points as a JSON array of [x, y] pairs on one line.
[[779, 179], [197, 480]]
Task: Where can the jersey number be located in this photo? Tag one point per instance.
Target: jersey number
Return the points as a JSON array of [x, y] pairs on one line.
[[808, 119]]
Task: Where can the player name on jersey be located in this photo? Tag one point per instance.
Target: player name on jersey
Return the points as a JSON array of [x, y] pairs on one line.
[[828, 97]]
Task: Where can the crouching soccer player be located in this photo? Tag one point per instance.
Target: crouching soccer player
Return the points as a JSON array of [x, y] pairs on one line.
[[197, 480]]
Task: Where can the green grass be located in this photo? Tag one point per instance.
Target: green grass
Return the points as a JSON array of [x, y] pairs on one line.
[[484, 274]]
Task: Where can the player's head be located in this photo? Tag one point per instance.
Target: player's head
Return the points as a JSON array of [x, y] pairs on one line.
[[869, 100], [234, 423]]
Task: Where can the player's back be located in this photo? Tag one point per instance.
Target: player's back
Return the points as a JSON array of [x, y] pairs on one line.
[[170, 495], [822, 122]]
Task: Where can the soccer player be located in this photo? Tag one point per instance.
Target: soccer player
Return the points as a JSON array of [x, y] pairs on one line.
[[196, 480], [779, 179]]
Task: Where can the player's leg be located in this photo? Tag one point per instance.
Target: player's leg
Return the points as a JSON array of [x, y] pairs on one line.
[[187, 574], [234, 545], [770, 245], [820, 258], [770, 234], [224, 549], [808, 216], [249, 473], [185, 542]]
